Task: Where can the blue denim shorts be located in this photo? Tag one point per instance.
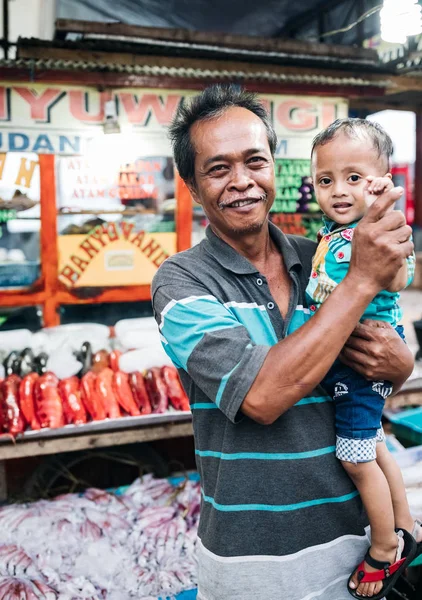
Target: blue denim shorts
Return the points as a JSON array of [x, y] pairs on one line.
[[358, 408]]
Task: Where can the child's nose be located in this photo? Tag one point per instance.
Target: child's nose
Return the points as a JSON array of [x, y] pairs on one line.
[[339, 189]]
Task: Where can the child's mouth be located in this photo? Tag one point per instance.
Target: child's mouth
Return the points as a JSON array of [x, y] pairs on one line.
[[342, 207]]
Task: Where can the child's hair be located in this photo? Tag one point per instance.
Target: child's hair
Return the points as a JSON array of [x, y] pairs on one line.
[[354, 128]]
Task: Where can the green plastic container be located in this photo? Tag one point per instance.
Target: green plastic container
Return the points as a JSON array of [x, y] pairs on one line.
[[407, 426]]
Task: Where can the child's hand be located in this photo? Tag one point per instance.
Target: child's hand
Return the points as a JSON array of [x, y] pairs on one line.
[[376, 186]]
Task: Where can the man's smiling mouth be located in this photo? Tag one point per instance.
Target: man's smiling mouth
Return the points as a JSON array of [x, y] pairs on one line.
[[240, 202]]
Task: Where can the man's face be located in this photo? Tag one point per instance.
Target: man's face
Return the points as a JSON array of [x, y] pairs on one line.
[[234, 172], [339, 171]]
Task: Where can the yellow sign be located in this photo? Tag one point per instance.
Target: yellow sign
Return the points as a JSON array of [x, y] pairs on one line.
[[113, 254]]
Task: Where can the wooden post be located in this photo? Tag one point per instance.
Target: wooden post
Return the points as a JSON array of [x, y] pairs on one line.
[[418, 170], [183, 214], [48, 238]]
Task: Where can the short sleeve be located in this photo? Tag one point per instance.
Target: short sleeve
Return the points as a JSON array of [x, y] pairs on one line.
[[204, 338]]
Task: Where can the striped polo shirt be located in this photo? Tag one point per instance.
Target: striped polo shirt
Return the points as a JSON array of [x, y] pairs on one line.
[[280, 519]]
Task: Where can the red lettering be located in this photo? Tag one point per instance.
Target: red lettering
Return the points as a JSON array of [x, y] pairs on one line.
[[297, 115], [329, 114], [139, 111], [157, 262], [111, 231], [97, 235], [138, 239], [70, 274], [4, 104], [126, 228], [40, 103], [150, 248], [88, 248], [79, 262], [78, 106]]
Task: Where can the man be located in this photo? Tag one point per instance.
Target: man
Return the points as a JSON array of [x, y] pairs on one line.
[[280, 519]]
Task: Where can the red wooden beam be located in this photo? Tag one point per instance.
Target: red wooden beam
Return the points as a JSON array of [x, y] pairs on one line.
[[48, 238], [183, 215]]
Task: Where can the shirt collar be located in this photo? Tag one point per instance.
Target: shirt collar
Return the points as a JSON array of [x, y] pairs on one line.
[[231, 260], [330, 227]]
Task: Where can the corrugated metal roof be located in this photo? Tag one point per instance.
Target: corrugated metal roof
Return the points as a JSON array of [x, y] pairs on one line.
[[255, 74], [270, 52]]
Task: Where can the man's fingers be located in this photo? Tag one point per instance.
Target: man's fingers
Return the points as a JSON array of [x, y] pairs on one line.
[[395, 219], [354, 357], [382, 204], [362, 331]]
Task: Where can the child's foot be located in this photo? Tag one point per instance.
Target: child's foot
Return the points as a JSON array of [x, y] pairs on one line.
[[393, 554]]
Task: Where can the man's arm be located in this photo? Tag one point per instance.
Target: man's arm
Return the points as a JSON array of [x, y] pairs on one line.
[[294, 366]]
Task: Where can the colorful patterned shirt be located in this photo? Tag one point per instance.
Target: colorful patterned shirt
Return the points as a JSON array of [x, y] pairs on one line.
[[330, 265]]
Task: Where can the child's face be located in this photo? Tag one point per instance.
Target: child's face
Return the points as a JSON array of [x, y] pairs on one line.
[[339, 171]]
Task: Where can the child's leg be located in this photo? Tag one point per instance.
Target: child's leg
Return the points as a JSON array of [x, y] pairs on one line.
[[375, 493], [358, 405], [392, 472]]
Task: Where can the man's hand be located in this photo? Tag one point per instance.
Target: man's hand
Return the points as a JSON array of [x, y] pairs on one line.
[[381, 243], [376, 351]]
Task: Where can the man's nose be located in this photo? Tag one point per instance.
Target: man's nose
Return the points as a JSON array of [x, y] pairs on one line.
[[241, 179]]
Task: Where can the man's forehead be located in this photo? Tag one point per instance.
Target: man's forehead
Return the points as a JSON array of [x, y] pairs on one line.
[[234, 127]]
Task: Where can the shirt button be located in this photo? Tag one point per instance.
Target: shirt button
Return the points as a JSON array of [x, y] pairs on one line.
[[327, 238], [259, 281], [270, 305], [312, 308], [340, 255], [314, 274]]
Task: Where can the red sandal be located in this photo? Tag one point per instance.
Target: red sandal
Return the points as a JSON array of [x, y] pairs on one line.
[[387, 573]]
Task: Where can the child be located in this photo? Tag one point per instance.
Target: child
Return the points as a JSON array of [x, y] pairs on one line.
[[350, 164]]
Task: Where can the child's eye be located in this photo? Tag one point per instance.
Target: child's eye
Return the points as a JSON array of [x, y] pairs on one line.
[[355, 178], [325, 181]]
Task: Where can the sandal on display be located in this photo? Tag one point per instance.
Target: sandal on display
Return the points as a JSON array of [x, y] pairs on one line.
[[387, 573]]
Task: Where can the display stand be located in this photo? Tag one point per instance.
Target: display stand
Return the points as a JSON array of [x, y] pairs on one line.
[[102, 434], [48, 291]]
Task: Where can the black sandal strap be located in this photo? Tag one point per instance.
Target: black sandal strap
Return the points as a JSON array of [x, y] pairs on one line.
[[376, 564]]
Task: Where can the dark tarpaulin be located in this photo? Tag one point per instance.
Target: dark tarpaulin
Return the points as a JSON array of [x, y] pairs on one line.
[[243, 17]]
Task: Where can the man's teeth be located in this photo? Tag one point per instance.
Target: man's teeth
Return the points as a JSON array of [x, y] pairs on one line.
[[240, 203]]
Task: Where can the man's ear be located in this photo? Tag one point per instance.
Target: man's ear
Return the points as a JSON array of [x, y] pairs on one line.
[[192, 188], [389, 175]]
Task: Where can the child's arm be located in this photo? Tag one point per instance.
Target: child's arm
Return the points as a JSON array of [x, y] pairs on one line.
[[375, 187]]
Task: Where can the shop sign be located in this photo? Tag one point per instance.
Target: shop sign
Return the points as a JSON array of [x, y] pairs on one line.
[[113, 254], [298, 224], [63, 119], [294, 189]]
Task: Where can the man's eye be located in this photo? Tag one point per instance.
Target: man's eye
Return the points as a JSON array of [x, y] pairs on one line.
[[355, 178], [217, 168], [256, 160]]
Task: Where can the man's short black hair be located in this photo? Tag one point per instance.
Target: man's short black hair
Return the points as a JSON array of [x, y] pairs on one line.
[[210, 103], [355, 128]]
